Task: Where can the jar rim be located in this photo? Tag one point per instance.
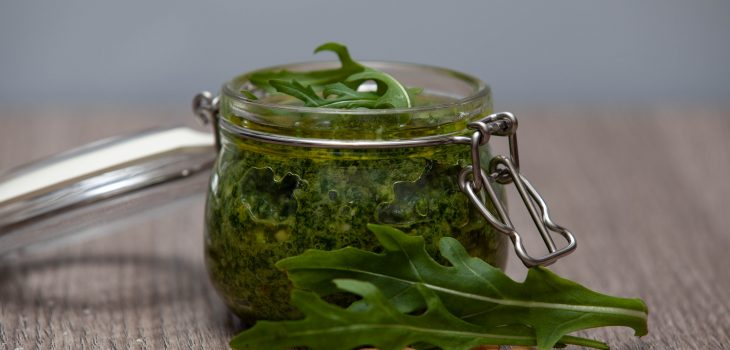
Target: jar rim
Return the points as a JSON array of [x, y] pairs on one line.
[[481, 89]]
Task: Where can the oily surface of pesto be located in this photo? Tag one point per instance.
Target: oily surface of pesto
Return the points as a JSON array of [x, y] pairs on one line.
[[268, 202]]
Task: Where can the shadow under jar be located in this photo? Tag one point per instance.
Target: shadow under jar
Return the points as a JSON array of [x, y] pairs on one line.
[[270, 201]]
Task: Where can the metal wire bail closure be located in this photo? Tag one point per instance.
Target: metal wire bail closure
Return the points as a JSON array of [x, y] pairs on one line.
[[472, 179], [505, 170]]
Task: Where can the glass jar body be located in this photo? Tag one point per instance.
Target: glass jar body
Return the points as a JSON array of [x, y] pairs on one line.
[[269, 201], [264, 206]]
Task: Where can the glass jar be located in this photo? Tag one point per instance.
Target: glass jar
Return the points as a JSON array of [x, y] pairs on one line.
[[268, 201]]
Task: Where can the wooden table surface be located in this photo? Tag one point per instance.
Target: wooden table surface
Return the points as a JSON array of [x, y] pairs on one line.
[[646, 191]]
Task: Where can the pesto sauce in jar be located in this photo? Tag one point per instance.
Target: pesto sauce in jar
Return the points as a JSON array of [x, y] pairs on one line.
[[267, 202]]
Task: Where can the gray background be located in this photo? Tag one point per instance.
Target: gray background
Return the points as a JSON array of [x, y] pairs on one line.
[[531, 52]]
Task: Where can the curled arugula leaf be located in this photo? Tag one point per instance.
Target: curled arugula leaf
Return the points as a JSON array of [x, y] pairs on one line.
[[314, 78], [346, 97], [390, 93], [471, 289], [338, 87], [379, 323]]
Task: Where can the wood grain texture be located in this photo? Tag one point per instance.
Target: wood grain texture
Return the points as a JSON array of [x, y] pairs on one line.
[[645, 190]]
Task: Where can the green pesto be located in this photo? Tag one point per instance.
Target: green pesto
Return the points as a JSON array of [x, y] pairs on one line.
[[270, 202]]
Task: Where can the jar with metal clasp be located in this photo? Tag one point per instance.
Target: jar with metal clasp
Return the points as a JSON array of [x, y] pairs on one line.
[[286, 178]]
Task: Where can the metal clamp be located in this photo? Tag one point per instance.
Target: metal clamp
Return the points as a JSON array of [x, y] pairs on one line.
[[206, 108], [505, 170]]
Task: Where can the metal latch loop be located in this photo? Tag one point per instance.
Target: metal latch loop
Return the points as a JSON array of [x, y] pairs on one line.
[[505, 170], [206, 107]]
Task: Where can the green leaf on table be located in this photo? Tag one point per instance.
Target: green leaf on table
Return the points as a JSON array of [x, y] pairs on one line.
[[470, 288], [379, 323]]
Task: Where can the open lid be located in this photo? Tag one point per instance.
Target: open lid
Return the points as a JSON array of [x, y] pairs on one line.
[[106, 182]]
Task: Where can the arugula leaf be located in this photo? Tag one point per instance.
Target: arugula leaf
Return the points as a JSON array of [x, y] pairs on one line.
[[342, 90], [393, 94], [249, 95], [471, 289], [301, 92], [317, 78], [348, 98], [342, 83], [380, 324]]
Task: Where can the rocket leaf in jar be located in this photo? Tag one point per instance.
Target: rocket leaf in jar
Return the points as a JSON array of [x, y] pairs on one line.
[[338, 88], [315, 78], [394, 95]]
